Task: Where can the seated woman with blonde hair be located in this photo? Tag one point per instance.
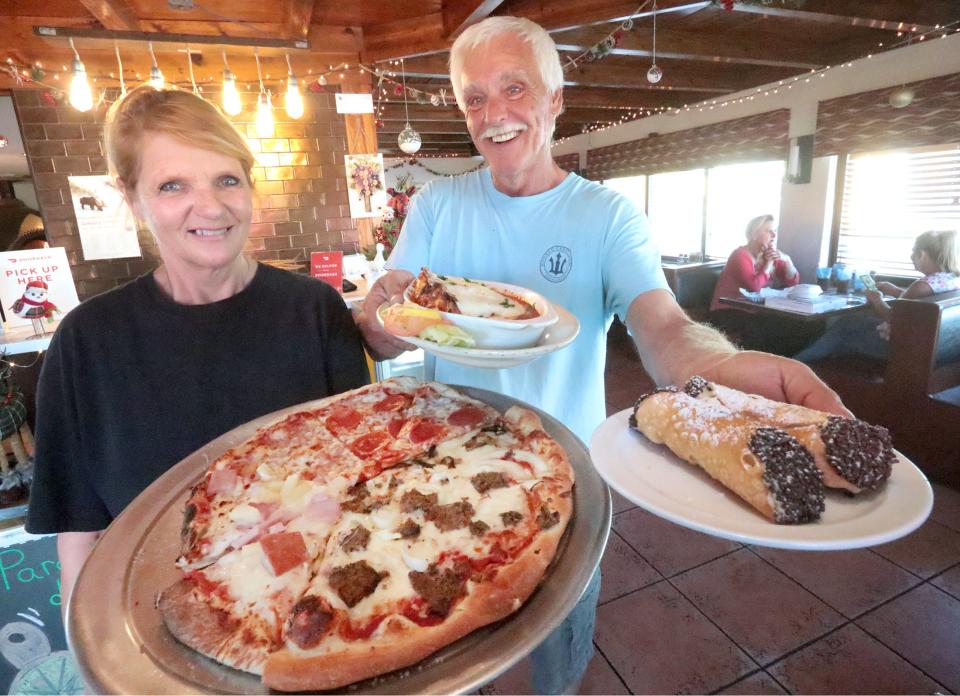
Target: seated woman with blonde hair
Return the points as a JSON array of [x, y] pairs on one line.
[[936, 254], [756, 265]]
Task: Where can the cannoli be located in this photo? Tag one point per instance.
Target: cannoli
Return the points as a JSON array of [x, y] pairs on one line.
[[764, 465], [852, 455]]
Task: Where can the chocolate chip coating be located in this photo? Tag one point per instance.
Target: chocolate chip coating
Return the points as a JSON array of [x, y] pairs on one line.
[[859, 452], [790, 475]]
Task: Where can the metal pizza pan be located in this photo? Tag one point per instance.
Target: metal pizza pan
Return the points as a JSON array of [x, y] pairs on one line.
[[122, 646]]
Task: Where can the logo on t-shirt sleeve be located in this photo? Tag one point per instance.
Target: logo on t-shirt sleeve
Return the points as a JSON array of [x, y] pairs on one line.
[[556, 263]]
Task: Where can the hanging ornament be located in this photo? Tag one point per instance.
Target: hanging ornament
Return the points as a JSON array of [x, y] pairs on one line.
[[4, 141], [315, 87], [435, 99], [421, 98], [36, 73], [617, 38], [322, 80], [654, 74], [49, 98], [409, 140], [627, 25], [398, 91], [443, 96], [379, 123]]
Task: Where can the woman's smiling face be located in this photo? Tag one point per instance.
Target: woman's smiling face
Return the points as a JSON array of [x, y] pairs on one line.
[[197, 203]]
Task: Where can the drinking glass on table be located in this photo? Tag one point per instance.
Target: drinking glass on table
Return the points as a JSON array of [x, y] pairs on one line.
[[843, 277], [823, 277]]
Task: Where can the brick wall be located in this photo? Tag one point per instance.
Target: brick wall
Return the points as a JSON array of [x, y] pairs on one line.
[[301, 193]]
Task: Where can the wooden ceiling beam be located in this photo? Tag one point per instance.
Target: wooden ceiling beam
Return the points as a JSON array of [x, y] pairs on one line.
[[829, 18], [561, 15], [113, 14], [299, 13], [460, 14]]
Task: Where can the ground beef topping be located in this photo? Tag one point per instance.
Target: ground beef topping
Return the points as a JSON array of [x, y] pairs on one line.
[[354, 581], [452, 516], [408, 529], [440, 588], [479, 440], [790, 474], [356, 539], [695, 386], [511, 519], [415, 500], [358, 500], [309, 619], [861, 453], [478, 528], [498, 427], [486, 480], [547, 518]]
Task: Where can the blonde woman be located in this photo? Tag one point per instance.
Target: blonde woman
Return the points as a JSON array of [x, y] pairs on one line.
[[936, 255], [142, 375]]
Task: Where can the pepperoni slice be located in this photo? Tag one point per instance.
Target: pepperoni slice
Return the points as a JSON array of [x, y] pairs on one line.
[[369, 443], [395, 426], [425, 430], [468, 416], [393, 402], [345, 419], [284, 550]]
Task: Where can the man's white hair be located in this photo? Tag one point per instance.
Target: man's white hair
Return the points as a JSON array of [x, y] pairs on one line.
[[544, 50]]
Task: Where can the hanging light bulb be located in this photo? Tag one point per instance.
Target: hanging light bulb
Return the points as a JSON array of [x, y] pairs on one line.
[[264, 116], [156, 77], [294, 101], [231, 97], [409, 140], [81, 98], [654, 74]]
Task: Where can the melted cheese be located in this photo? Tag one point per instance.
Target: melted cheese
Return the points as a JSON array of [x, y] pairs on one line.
[[478, 300]]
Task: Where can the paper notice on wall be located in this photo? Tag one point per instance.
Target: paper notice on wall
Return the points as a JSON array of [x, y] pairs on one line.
[[354, 103], [106, 225], [36, 284], [328, 267]]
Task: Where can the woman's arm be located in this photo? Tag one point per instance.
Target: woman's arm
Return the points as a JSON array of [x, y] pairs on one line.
[[917, 289], [745, 271], [72, 549], [889, 288]]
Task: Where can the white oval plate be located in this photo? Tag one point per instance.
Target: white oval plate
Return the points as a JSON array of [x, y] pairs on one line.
[[654, 478], [557, 336]]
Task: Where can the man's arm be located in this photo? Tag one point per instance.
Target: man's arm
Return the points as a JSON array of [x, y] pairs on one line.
[[72, 550], [388, 288], [674, 348]]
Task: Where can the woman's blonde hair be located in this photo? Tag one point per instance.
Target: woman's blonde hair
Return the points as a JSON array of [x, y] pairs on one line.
[[942, 247], [179, 114], [756, 224]]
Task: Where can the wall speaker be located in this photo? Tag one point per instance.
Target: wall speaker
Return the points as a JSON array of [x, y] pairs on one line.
[[800, 160]]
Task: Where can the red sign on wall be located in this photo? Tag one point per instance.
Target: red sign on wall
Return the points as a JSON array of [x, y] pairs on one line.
[[328, 267]]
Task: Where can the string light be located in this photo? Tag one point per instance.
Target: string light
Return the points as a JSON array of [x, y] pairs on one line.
[[81, 98], [294, 100], [264, 120], [231, 97], [156, 77]]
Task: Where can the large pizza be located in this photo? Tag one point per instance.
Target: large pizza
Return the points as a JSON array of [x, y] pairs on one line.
[[359, 536]]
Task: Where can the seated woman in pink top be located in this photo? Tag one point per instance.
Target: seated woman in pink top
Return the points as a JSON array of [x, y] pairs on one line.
[[757, 264]]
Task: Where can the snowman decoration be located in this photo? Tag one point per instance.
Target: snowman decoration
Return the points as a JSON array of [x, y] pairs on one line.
[[34, 305], [41, 671]]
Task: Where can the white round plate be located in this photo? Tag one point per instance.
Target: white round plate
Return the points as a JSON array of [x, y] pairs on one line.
[[654, 478], [554, 338]]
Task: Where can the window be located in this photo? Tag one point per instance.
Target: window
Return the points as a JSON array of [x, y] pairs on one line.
[[891, 197], [674, 202], [736, 194]]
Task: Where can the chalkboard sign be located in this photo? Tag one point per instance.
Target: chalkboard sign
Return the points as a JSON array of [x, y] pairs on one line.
[[32, 642]]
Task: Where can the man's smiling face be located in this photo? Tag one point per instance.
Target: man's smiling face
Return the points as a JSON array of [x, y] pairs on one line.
[[510, 113]]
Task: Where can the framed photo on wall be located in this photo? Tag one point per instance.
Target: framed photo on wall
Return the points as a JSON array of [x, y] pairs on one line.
[[366, 185]]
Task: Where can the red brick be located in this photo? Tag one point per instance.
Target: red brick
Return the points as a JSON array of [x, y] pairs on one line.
[[45, 148], [275, 145], [64, 131], [261, 255], [314, 130], [92, 131], [255, 215], [67, 114], [315, 158], [276, 243], [71, 165], [253, 246], [87, 148], [303, 213], [258, 173], [48, 181], [306, 172], [274, 215], [312, 199], [275, 173], [339, 223], [267, 159], [26, 97], [293, 158], [290, 130], [263, 229], [58, 212], [302, 144], [34, 131], [331, 142], [38, 114], [288, 229], [304, 240], [297, 186], [41, 164], [265, 188], [285, 201], [91, 288], [98, 165], [254, 145], [140, 266], [58, 230], [49, 197]]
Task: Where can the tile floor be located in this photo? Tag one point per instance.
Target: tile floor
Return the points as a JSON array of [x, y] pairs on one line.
[[682, 612]]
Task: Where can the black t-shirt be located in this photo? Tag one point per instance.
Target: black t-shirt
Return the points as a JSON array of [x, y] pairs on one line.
[[133, 382]]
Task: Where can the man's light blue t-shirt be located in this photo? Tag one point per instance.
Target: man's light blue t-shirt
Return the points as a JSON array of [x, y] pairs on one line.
[[580, 245]]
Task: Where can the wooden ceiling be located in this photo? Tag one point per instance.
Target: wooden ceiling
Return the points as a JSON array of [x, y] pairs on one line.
[[704, 50]]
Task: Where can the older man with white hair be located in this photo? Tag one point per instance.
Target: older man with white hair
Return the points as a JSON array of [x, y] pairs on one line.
[[524, 220]]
